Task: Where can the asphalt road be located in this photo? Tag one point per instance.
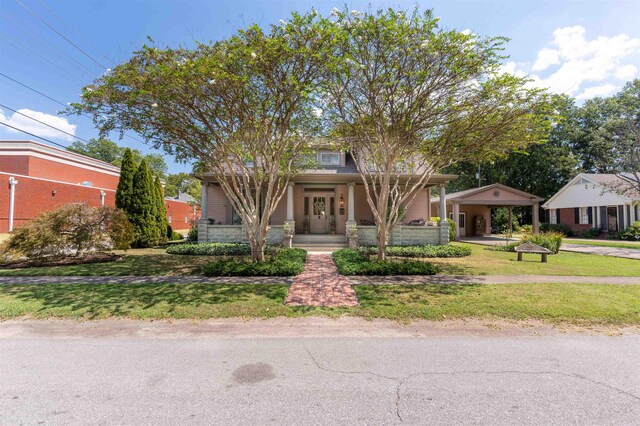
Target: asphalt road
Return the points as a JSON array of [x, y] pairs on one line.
[[563, 379]]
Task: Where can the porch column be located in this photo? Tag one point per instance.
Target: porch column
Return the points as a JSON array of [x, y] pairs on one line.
[[12, 199], [595, 223], [428, 218], [535, 226], [633, 213], [456, 218], [351, 204], [625, 217], [203, 201], [510, 219], [290, 202], [443, 204]]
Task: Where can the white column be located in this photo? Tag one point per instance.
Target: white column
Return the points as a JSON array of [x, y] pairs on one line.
[[535, 218], [625, 217], [351, 206], [290, 202], [510, 219], [456, 219], [428, 218], [203, 202], [102, 194], [443, 204], [633, 212], [12, 196], [595, 223]]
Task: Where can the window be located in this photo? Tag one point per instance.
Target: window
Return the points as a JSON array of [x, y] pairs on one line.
[[330, 159], [552, 216], [584, 215]]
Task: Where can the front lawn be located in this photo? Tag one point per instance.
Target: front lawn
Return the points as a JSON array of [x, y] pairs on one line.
[[485, 261], [601, 243], [583, 304], [139, 262]]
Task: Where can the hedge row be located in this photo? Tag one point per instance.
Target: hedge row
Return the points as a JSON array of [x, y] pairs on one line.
[[215, 249], [423, 251], [352, 262], [287, 262]]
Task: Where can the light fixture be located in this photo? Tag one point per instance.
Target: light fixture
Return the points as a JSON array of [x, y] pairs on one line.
[[341, 202]]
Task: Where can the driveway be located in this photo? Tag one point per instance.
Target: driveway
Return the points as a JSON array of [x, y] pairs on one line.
[[116, 377]]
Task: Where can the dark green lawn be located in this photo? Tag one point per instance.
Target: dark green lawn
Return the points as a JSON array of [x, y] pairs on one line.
[[557, 303]]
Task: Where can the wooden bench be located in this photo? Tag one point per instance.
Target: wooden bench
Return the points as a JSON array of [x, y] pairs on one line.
[[529, 247]]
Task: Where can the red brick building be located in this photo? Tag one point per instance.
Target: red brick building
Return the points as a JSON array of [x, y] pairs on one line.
[[43, 178]]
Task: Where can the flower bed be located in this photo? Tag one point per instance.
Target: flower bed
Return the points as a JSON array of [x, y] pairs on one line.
[[353, 262], [286, 262]]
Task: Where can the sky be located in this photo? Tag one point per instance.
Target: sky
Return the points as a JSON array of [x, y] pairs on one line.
[[582, 48]]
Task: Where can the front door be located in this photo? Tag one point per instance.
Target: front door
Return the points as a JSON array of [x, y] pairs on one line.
[[462, 224], [319, 223], [612, 216]]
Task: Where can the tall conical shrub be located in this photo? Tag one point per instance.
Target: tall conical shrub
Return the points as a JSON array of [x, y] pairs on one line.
[[143, 208], [161, 210], [124, 192]]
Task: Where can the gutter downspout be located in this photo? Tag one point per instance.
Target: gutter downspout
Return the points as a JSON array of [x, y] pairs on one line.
[[12, 196]]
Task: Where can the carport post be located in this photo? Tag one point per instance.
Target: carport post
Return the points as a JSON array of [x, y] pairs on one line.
[[510, 219], [536, 218], [443, 204], [456, 219]]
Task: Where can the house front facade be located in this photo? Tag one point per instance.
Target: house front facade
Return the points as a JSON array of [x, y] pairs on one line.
[[590, 201], [322, 205]]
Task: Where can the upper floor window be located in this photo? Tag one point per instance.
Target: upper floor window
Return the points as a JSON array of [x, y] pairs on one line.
[[330, 159]]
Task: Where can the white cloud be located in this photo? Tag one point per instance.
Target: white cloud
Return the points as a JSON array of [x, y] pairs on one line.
[[592, 92], [31, 126], [573, 64], [546, 57], [627, 72]]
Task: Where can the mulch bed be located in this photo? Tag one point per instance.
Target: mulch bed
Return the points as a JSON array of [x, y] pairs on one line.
[[90, 258]]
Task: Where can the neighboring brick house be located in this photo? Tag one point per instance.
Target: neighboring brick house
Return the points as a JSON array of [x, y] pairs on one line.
[[588, 201], [43, 178]]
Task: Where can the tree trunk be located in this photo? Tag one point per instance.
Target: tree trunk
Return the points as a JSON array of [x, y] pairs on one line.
[[382, 236], [257, 248]]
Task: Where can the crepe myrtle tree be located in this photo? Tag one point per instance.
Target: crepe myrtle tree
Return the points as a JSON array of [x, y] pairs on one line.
[[407, 98], [241, 108]]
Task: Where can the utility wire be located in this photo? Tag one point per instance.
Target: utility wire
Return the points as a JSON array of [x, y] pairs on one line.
[[35, 136], [26, 30], [42, 122], [76, 32], [57, 101], [61, 35]]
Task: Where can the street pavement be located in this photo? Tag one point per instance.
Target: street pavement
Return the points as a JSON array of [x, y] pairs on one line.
[[96, 375]]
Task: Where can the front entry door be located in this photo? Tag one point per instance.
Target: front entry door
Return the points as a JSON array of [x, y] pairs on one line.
[[319, 223], [612, 216]]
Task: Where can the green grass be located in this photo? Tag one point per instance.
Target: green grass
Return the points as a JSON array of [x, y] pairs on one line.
[[484, 261], [583, 304], [138, 262], [600, 243]]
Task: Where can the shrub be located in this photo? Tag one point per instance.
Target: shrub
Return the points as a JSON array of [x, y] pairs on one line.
[[452, 227], [287, 262], [591, 233], [72, 230], [352, 262], [526, 229], [216, 249], [631, 233], [176, 236], [193, 232], [549, 240], [422, 251], [552, 227]]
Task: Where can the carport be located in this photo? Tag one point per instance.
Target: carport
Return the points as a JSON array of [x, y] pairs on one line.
[[472, 208]]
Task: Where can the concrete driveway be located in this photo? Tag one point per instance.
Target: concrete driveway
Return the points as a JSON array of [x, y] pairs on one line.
[[185, 377]]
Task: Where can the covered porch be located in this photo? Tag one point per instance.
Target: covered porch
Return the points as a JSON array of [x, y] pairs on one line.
[[321, 206], [471, 209]]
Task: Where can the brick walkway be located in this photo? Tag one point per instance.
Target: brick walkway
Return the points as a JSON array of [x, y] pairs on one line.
[[321, 285]]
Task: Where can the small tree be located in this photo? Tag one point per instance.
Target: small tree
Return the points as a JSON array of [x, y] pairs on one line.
[[72, 230], [143, 208], [407, 99], [161, 210], [240, 107], [124, 192]]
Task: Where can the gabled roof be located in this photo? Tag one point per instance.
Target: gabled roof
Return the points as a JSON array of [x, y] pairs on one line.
[[590, 189], [185, 198], [461, 195]]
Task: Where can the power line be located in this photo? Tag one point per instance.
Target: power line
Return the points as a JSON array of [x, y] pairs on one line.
[[76, 32], [33, 35], [57, 101], [31, 134], [42, 122], [61, 35]]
